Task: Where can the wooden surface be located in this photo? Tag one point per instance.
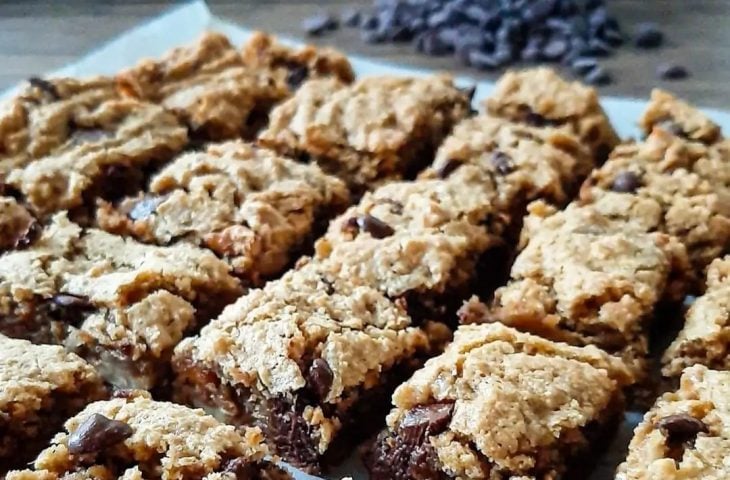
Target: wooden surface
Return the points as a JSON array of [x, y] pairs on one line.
[[41, 35]]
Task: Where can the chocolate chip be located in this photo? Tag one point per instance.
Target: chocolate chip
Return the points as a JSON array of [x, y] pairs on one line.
[[431, 43], [598, 76], [319, 24], [425, 420], [483, 61], [97, 433], [296, 76], [320, 377], [671, 71], [626, 182], [374, 226], [125, 393], [672, 127], [351, 17], [448, 167], [502, 163], [45, 86], [26, 238], [583, 65], [555, 49], [681, 427], [648, 35], [598, 47], [65, 300], [145, 207]]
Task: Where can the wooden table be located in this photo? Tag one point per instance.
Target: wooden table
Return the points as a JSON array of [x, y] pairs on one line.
[[41, 35]]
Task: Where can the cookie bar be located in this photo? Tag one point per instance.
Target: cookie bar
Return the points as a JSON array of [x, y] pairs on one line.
[[65, 142], [686, 434], [121, 305], [584, 278], [40, 387], [678, 117], [705, 338], [135, 437], [248, 205], [208, 85], [17, 226], [375, 129], [518, 163], [670, 185], [306, 360], [540, 97], [500, 404], [295, 65]]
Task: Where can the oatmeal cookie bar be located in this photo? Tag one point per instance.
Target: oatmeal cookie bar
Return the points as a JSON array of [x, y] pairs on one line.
[[500, 404], [686, 435], [375, 129], [209, 86], [540, 97], [135, 438], [705, 338], [296, 65], [305, 359], [518, 163], [65, 142], [670, 185], [40, 387], [18, 228], [120, 304], [586, 279], [678, 117], [248, 205]]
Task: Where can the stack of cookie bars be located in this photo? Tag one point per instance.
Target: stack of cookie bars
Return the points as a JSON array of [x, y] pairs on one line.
[[256, 233]]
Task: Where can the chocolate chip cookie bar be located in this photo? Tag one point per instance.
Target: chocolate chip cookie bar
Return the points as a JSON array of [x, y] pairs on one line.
[[518, 163], [584, 278], [670, 185], [120, 304], [375, 129], [540, 97], [208, 85], [246, 204], [308, 360], [295, 65], [500, 404], [135, 437], [678, 117], [65, 142], [17, 226], [40, 387], [705, 337], [686, 434]]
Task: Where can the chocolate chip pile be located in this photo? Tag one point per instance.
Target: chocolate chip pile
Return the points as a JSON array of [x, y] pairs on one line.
[[493, 34]]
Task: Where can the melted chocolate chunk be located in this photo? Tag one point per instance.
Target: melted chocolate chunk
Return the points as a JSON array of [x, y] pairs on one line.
[[433, 418], [240, 468], [292, 435], [502, 163], [448, 167], [97, 433], [681, 427], [45, 86], [626, 182], [320, 377]]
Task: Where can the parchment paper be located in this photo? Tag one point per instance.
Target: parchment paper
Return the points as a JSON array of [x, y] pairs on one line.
[[185, 23]]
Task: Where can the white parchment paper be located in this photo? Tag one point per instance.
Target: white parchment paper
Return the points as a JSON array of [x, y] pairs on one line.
[[185, 23]]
